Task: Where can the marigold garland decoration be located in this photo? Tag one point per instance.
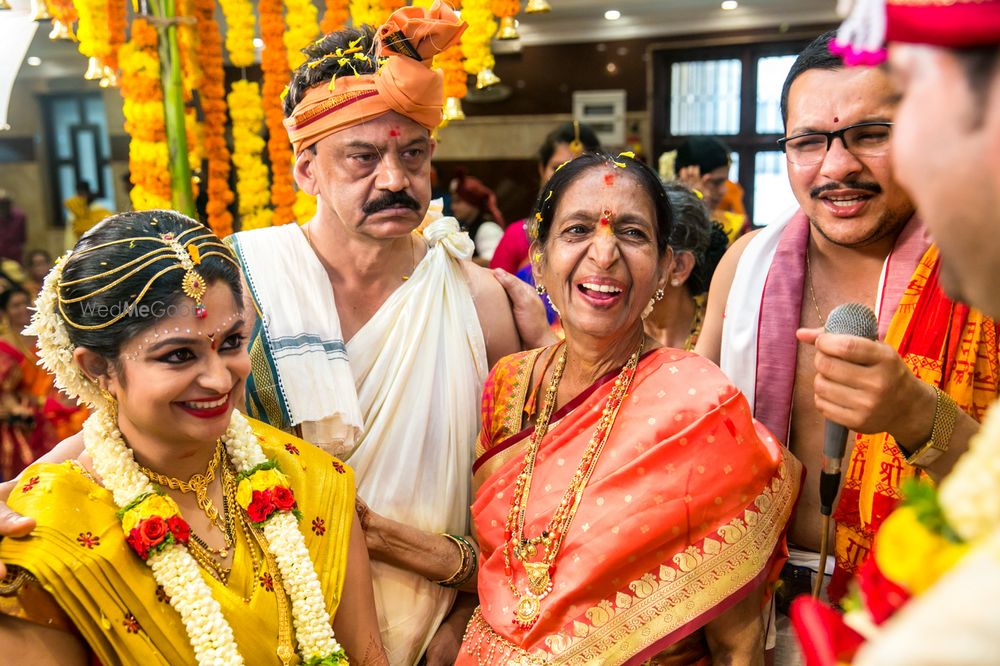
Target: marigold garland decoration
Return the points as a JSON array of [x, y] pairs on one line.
[[363, 12], [252, 183], [213, 105], [187, 44], [334, 17], [144, 122], [451, 61], [274, 63], [92, 28], [305, 206], [303, 29], [476, 39], [505, 8], [240, 26], [117, 26]]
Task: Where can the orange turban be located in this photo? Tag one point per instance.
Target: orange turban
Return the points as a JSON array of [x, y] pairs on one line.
[[404, 83]]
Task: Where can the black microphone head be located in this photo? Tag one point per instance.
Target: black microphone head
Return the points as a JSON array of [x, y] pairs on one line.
[[853, 319]]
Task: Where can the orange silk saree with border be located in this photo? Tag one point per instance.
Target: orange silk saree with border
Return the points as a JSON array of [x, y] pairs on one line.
[[684, 515]]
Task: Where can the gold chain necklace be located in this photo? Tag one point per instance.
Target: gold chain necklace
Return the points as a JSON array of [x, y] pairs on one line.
[[523, 549], [197, 484], [211, 558], [699, 319], [812, 291]]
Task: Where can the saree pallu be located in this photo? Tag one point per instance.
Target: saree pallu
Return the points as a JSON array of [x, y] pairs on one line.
[[78, 554], [944, 344], [683, 517]]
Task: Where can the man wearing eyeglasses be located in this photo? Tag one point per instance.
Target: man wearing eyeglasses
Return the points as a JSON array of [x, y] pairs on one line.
[[907, 397]]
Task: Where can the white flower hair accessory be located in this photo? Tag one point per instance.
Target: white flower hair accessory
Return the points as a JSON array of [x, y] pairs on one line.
[[55, 349]]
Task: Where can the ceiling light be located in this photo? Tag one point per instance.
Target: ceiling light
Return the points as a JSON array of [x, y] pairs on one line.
[[258, 43], [612, 14], [729, 5], [34, 61]]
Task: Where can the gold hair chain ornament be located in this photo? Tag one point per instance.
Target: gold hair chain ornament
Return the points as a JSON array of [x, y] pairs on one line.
[[188, 252]]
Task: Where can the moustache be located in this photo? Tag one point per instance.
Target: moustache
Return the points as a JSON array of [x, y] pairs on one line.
[[874, 188], [390, 200]]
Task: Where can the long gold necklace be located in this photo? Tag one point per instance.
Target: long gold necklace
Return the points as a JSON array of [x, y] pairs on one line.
[[522, 549], [213, 559], [197, 484]]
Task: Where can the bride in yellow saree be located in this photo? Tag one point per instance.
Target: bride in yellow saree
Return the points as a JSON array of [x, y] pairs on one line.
[[182, 532], [628, 508]]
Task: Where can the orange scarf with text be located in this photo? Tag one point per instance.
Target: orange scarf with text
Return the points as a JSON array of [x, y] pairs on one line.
[[944, 344]]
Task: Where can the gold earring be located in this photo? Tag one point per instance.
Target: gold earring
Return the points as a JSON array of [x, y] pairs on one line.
[[112, 403], [540, 288]]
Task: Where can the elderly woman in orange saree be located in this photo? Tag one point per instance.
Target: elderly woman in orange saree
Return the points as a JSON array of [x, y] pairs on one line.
[[628, 508]]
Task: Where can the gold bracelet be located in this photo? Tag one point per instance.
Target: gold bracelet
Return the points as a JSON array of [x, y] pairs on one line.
[[945, 418]]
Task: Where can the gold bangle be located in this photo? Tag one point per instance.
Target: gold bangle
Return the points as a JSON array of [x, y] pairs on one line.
[[945, 418], [468, 566]]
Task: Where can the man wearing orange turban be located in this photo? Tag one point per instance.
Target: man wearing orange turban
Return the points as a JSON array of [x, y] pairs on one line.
[[375, 339]]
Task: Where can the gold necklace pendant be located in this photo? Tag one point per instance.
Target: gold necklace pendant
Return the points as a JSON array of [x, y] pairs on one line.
[[539, 581], [527, 610]]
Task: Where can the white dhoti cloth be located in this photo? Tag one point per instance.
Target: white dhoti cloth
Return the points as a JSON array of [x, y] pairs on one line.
[[418, 366]]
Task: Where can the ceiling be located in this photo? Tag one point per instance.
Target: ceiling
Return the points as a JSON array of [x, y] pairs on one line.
[[569, 21]]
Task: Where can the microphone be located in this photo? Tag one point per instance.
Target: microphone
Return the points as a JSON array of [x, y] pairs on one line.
[[847, 319]]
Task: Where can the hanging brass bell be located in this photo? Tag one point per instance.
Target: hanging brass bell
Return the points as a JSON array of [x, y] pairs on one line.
[[4, 5], [486, 78], [39, 11], [507, 29], [94, 69], [537, 7], [453, 109]]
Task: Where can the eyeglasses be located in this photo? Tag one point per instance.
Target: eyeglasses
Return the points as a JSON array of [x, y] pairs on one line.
[[862, 140]]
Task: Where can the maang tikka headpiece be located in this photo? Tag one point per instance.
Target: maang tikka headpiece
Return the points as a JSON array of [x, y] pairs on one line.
[[192, 284]]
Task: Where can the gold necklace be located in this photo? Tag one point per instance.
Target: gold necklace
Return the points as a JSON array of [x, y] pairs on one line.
[[523, 549], [211, 559], [197, 484], [699, 319], [812, 291]]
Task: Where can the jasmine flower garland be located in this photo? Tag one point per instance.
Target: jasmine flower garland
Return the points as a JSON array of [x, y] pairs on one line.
[[172, 565]]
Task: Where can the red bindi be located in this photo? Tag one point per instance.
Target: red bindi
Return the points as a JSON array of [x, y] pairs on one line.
[[394, 132], [836, 119], [605, 217], [609, 179]]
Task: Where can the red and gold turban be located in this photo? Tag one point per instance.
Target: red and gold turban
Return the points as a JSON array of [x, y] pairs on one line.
[[404, 81], [870, 24]]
